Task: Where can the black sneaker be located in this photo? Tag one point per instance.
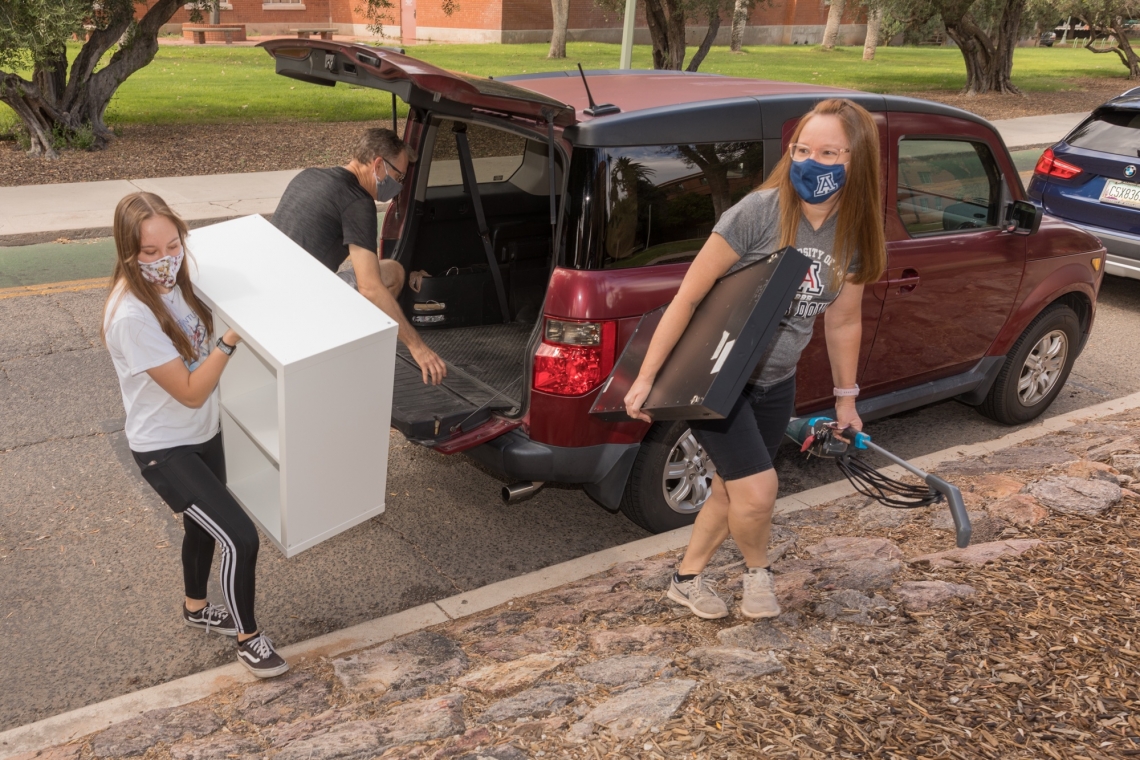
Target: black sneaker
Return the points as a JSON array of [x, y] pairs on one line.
[[260, 658], [212, 617]]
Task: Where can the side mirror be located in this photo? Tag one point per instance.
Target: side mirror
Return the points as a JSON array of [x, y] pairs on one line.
[[1022, 218]]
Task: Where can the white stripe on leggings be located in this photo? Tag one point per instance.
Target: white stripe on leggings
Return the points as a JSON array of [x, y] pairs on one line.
[[229, 560]]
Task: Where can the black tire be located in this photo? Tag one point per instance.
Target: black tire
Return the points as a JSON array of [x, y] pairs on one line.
[[1007, 402], [644, 501]]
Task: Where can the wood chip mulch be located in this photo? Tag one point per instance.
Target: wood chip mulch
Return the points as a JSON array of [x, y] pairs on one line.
[[183, 151]]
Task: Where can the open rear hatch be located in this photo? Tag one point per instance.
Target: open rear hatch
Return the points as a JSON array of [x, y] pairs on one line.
[[417, 83], [485, 364]]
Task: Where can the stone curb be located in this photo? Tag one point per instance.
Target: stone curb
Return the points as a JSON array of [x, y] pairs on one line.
[[65, 727]]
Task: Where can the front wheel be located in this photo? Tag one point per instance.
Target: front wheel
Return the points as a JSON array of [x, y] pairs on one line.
[[670, 481], [1036, 368]]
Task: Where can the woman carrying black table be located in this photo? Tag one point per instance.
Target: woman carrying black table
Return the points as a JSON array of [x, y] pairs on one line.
[[824, 198]]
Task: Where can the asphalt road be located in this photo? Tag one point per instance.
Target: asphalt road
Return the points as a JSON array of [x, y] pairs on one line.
[[89, 570]]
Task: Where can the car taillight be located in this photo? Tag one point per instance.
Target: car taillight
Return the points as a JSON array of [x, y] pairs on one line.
[[574, 357], [1052, 166]]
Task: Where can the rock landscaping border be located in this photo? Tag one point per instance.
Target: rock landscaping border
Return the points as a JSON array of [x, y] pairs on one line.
[[517, 664]]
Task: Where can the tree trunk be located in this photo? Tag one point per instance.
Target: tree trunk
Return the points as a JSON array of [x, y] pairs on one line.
[[706, 43], [874, 24], [831, 31], [666, 22], [739, 21], [989, 63], [61, 100], [561, 10], [1122, 48]]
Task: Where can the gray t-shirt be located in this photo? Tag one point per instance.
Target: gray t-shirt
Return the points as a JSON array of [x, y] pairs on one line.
[[326, 210], [752, 229]]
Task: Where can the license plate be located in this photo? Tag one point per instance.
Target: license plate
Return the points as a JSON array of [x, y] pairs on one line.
[[1120, 193]]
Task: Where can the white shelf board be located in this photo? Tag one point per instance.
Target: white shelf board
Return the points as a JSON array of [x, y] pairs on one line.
[[260, 495], [255, 412], [277, 296]]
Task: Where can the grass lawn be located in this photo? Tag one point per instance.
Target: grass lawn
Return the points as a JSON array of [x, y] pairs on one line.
[[216, 84]]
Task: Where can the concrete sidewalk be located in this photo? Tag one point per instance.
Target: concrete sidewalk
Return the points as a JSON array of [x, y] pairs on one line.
[[1034, 131], [43, 213]]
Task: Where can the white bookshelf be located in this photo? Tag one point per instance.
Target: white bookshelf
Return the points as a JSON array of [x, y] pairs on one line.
[[307, 397]]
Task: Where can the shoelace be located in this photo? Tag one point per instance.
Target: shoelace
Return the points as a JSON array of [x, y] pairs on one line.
[[261, 645], [703, 586], [213, 614], [762, 579]]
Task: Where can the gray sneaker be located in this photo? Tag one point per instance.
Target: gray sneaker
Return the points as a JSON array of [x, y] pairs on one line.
[[698, 597], [759, 596]]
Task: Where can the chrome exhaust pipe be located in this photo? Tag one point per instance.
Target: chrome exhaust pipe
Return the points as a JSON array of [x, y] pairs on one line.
[[519, 491]]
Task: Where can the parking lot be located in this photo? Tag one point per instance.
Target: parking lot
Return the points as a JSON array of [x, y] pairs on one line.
[[89, 555]]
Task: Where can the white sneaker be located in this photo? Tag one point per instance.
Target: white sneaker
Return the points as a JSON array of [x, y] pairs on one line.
[[759, 595], [698, 597]]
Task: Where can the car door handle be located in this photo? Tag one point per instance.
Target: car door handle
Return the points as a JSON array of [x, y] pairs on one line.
[[904, 284]]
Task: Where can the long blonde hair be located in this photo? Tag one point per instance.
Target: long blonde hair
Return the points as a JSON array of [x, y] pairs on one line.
[[859, 223], [130, 214]]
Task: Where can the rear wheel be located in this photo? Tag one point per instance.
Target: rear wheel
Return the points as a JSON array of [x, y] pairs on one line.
[[1036, 368], [670, 481]]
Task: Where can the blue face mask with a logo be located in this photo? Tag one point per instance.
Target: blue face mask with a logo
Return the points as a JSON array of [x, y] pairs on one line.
[[816, 182]]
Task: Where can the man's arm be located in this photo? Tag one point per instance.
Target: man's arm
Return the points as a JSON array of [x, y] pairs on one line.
[[367, 268]]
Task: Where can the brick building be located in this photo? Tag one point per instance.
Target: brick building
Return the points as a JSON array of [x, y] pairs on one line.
[[779, 22]]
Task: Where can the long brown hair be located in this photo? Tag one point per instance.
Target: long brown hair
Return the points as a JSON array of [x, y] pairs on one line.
[[859, 223], [130, 214]]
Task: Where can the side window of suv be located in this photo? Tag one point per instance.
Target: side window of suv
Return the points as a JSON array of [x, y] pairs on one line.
[[495, 155], [947, 186], [653, 204]]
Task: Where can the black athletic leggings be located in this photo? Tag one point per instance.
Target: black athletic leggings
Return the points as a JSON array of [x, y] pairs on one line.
[[192, 480]]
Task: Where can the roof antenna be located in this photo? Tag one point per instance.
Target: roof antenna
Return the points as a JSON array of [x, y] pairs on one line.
[[595, 109]]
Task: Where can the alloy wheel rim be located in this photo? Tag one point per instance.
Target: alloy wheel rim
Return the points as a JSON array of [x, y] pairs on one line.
[[1042, 368], [687, 479]]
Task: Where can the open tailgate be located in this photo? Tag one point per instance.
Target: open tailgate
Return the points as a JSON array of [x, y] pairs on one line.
[[419, 84]]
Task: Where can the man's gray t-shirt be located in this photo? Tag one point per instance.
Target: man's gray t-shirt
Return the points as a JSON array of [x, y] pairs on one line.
[[752, 229], [326, 210]]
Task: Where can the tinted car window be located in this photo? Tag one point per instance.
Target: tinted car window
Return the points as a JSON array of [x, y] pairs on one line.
[[495, 155], [946, 186], [1115, 132], [639, 206]]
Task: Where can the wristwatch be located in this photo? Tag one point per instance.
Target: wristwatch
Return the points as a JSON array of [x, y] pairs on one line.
[[227, 349]]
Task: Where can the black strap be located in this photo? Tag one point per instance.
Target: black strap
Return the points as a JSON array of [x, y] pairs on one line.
[[472, 187]]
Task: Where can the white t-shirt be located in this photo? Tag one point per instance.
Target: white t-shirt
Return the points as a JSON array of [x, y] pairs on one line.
[[155, 419]]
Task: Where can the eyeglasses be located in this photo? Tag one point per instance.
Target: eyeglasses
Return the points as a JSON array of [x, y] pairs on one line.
[[394, 172], [827, 156]]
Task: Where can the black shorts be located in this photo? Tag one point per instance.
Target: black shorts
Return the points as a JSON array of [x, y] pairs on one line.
[[745, 442]]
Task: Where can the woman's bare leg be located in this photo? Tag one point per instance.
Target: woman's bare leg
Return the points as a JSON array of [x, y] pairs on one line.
[[709, 531], [741, 508]]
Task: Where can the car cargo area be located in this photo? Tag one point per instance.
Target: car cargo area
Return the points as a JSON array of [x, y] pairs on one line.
[[481, 331]]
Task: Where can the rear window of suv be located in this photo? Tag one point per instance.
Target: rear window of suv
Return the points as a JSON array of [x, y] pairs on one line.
[[653, 204], [1116, 132]]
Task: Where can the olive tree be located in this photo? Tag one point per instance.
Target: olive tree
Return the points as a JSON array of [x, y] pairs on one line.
[[1106, 22], [63, 98], [985, 31], [668, 19]]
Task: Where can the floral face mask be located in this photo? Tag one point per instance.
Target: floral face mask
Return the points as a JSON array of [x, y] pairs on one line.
[[163, 272]]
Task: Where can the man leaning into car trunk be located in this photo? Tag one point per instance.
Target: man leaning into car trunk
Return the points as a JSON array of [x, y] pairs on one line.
[[331, 213]]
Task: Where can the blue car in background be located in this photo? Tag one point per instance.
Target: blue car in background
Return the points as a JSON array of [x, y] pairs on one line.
[[1092, 179]]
